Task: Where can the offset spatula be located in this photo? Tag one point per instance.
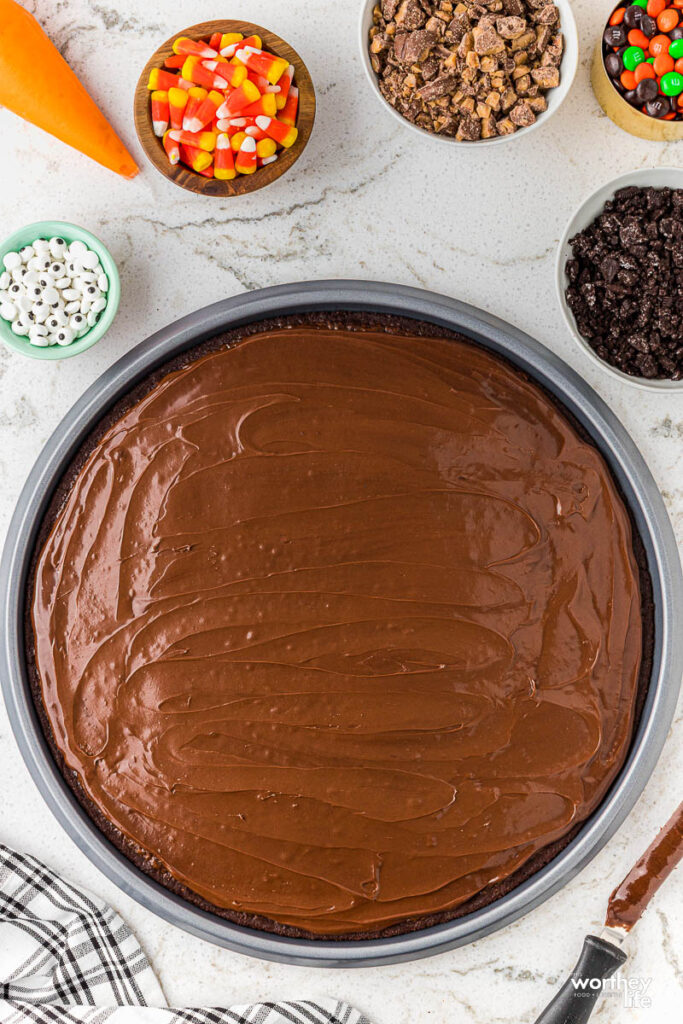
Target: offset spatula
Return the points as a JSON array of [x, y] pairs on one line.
[[602, 955]]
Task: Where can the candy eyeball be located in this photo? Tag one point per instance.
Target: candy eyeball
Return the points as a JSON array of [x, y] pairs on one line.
[[11, 260], [52, 292], [58, 247], [64, 336]]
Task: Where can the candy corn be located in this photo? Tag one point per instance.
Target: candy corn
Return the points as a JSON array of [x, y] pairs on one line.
[[236, 141], [289, 111], [234, 74], [204, 113], [197, 159], [198, 140], [160, 79], [223, 106], [172, 149], [263, 105], [284, 134], [253, 41], [224, 161], [230, 41], [285, 85], [190, 47], [196, 72], [267, 64], [265, 148], [195, 98], [245, 161], [160, 112], [262, 84], [255, 132], [177, 102], [238, 99]]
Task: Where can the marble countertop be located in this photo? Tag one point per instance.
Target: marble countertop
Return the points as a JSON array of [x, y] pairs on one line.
[[366, 200]]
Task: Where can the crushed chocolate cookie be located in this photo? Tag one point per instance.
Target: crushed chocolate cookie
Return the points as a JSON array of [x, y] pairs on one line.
[[626, 282], [471, 69]]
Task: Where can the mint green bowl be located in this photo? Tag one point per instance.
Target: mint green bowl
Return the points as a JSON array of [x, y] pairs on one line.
[[70, 233]]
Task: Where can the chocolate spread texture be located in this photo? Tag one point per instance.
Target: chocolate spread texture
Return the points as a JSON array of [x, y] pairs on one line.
[[341, 627], [629, 900]]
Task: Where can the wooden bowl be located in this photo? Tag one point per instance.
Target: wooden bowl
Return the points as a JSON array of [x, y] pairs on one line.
[[243, 183]]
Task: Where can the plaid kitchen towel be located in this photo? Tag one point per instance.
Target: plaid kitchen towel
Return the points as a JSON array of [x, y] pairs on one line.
[[67, 958]]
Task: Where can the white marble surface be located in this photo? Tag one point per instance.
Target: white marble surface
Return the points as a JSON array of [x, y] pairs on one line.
[[367, 201]]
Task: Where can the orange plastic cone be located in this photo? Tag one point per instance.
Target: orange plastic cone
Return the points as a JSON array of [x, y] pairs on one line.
[[37, 84]]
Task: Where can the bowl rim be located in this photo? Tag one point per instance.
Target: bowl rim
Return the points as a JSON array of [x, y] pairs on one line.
[[568, 74], [577, 222], [71, 233], [242, 185], [559, 379]]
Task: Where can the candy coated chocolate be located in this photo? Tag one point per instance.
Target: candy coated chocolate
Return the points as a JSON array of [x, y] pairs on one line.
[[633, 57], [646, 90], [615, 35], [672, 83], [633, 15], [658, 107], [613, 65]]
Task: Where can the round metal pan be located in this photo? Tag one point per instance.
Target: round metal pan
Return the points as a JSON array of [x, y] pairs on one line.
[[627, 465]]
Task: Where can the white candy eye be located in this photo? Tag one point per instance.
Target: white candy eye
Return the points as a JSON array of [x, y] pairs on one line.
[[5, 280], [8, 311], [64, 336], [20, 329], [27, 253], [103, 283], [11, 260], [71, 293], [57, 320], [89, 259], [41, 312]]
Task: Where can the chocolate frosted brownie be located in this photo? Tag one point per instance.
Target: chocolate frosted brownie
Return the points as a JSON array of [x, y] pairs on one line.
[[339, 626]]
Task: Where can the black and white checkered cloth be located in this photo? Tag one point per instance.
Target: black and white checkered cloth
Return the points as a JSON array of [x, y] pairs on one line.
[[67, 958]]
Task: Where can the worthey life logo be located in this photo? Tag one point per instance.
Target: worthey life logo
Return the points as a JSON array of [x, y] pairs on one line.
[[634, 991]]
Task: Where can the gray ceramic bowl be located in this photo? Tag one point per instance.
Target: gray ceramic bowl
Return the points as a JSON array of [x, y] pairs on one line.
[[628, 467]]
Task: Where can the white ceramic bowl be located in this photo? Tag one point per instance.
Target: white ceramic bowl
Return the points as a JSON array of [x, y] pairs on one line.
[[555, 97], [657, 177]]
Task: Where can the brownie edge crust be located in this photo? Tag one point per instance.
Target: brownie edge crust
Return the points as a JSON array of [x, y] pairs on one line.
[[140, 857]]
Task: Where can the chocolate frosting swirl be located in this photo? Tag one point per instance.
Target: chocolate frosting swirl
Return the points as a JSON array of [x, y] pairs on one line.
[[341, 627]]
